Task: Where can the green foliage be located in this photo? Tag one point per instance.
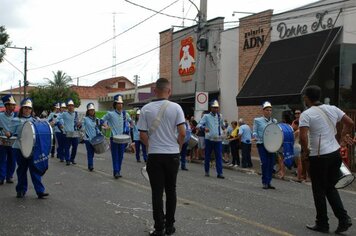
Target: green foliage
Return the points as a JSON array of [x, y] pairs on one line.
[[100, 114], [4, 42], [56, 91]]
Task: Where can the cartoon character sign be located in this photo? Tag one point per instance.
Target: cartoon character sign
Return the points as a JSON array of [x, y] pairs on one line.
[[186, 56]]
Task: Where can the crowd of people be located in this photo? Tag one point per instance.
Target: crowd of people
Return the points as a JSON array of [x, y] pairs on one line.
[[163, 133]]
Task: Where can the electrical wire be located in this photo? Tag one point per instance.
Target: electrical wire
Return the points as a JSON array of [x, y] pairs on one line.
[[137, 56], [13, 65], [161, 13], [100, 44]]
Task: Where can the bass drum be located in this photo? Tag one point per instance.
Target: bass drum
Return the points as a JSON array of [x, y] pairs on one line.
[[274, 135], [36, 142]]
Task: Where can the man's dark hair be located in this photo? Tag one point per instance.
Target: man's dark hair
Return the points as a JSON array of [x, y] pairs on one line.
[[162, 83], [313, 92]]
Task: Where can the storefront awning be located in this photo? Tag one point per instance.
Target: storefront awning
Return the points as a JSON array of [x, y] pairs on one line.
[[285, 68]]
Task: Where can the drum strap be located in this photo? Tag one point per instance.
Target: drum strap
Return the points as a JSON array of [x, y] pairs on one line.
[[157, 121], [326, 118]]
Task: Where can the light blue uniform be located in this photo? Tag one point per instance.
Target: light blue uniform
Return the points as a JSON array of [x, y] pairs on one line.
[[267, 158], [90, 125], [119, 124], [213, 139], [138, 143], [183, 152], [50, 118], [69, 120], [25, 163], [7, 159]]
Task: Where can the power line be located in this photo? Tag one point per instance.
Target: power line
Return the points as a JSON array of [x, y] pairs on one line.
[[92, 48], [161, 13], [137, 56], [13, 65]]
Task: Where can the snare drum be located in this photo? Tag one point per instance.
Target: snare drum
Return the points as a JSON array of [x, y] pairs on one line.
[[274, 135], [345, 177], [121, 138], [193, 141], [5, 141], [100, 144], [72, 134]]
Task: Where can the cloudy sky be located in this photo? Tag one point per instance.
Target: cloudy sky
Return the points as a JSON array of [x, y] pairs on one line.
[[75, 36]]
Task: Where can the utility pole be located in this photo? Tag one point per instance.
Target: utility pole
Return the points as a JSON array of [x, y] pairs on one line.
[[202, 47], [136, 87], [20, 89], [25, 82]]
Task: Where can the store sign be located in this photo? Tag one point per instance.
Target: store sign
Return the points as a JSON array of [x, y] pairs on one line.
[[254, 38], [321, 23], [186, 59]]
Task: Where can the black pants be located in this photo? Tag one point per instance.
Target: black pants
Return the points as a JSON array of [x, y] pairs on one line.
[[246, 155], [324, 174], [162, 170], [234, 145]]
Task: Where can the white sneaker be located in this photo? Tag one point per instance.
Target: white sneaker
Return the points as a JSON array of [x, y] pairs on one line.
[[231, 165], [236, 165]]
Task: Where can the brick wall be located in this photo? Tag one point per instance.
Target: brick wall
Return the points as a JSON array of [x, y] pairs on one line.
[[249, 57], [165, 54]]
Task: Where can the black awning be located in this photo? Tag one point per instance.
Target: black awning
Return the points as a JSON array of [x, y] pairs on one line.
[[285, 68]]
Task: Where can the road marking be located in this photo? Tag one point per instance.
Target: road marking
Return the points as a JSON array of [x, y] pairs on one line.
[[202, 206]]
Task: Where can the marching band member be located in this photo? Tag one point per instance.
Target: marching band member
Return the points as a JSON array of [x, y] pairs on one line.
[[60, 135], [136, 138], [183, 151], [69, 121], [23, 163], [7, 160], [52, 117], [213, 125], [267, 158], [90, 125], [117, 120]]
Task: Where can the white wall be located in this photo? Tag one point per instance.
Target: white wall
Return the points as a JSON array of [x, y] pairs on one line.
[[228, 78], [83, 105]]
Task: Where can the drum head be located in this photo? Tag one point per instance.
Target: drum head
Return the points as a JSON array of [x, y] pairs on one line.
[[144, 173], [272, 137], [28, 139], [97, 139]]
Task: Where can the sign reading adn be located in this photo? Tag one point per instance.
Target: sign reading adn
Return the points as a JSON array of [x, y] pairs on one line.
[[201, 101], [254, 38], [321, 23], [186, 59]]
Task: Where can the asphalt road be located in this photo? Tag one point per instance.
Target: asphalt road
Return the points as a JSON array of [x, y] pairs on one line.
[[94, 203]]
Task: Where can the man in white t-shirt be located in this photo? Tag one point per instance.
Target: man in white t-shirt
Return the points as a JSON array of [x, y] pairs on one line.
[[163, 153], [324, 156]]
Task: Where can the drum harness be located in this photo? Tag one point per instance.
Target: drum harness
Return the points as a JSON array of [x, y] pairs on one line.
[[157, 121], [327, 119]]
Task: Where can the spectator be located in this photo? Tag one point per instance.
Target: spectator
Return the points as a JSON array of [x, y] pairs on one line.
[[245, 136]]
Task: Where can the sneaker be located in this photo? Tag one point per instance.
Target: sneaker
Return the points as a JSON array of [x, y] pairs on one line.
[[20, 195], [236, 166], [42, 195], [231, 165], [220, 177]]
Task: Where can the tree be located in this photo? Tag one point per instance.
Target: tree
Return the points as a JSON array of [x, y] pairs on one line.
[[57, 90], [4, 42], [60, 80], [45, 96]]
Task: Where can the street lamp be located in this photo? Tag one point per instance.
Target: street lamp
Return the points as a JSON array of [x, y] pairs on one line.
[[242, 12]]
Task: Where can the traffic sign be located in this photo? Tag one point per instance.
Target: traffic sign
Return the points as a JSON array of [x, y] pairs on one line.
[[201, 101]]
